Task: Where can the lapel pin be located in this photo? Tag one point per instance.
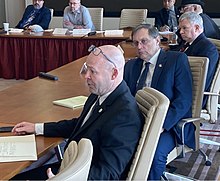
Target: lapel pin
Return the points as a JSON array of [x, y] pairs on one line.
[[160, 65], [100, 110]]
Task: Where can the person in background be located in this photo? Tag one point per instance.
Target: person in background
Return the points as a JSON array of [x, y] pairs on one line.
[[197, 44], [167, 18], [114, 126], [168, 72], [76, 16], [211, 30], [35, 14]]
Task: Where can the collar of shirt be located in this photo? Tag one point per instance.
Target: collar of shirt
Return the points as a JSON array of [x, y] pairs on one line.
[[172, 9], [103, 97], [76, 11], [153, 60], [152, 65]]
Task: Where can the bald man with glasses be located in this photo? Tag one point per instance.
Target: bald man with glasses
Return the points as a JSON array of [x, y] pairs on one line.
[[114, 127]]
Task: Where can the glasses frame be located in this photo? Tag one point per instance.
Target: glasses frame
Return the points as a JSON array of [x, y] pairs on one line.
[[93, 49]]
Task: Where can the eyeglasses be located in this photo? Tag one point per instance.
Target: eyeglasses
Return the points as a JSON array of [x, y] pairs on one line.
[[142, 42], [96, 51]]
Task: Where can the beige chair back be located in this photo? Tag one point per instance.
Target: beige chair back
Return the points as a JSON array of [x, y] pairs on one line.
[[154, 105], [97, 17], [213, 95], [132, 17], [199, 68], [51, 12], [76, 162]]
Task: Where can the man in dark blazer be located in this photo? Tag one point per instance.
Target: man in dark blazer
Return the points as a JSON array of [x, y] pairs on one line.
[[169, 72], [211, 29], [163, 19], [191, 31], [36, 14], [114, 127]]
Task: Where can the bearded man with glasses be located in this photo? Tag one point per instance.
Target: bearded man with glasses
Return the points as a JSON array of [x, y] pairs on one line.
[[35, 14], [168, 72]]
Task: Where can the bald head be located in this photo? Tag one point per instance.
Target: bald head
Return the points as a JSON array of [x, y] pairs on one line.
[[104, 69]]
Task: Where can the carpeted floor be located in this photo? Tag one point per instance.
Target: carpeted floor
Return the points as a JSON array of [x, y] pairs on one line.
[[193, 164]]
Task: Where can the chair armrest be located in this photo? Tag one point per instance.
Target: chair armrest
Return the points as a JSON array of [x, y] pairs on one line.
[[211, 94], [181, 125]]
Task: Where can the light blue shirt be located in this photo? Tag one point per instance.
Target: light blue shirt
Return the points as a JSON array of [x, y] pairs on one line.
[[80, 17]]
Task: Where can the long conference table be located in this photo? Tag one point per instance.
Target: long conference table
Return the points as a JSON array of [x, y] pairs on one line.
[[32, 101], [23, 55]]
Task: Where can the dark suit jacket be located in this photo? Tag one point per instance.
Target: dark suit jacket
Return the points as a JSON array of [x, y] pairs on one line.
[[211, 30], [43, 17], [162, 17], [202, 47], [114, 132], [172, 76]]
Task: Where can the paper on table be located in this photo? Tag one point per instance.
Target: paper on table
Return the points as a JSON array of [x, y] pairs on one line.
[[18, 148], [80, 31], [15, 30], [60, 31], [72, 102], [114, 32], [165, 32]]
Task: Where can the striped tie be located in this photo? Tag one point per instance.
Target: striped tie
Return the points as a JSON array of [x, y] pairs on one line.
[[142, 81], [172, 22]]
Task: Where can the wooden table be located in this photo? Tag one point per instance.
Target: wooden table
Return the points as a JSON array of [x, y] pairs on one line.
[[24, 55], [32, 101]]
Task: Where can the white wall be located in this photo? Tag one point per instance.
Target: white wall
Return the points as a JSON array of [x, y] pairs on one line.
[[14, 11], [2, 12]]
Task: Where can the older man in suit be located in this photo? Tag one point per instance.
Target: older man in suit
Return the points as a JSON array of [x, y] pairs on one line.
[[211, 30], [191, 31], [114, 126], [168, 72], [167, 18], [36, 14]]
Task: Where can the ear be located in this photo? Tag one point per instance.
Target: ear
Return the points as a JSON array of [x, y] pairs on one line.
[[114, 73], [158, 40], [197, 28]]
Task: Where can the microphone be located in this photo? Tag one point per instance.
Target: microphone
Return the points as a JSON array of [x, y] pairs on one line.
[[89, 34], [47, 76]]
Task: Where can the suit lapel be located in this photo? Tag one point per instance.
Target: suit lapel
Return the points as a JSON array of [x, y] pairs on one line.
[[162, 58], [103, 107], [86, 109]]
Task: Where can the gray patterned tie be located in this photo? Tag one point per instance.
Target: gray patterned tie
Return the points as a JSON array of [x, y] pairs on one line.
[[172, 22]]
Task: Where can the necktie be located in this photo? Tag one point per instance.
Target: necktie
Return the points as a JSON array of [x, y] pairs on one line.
[[95, 107], [172, 21], [143, 77], [94, 110], [185, 46], [29, 19]]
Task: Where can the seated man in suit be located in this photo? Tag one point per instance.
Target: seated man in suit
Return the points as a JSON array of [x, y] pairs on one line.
[[167, 18], [211, 30], [191, 31], [36, 14], [77, 16], [114, 126], [168, 72]]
